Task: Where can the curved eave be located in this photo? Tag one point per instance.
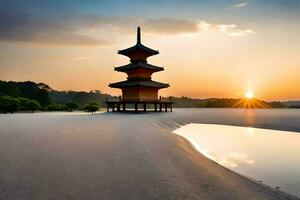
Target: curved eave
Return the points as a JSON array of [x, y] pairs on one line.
[[145, 66], [140, 83], [138, 48]]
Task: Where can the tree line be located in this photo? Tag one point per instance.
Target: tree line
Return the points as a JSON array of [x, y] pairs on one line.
[[29, 97]]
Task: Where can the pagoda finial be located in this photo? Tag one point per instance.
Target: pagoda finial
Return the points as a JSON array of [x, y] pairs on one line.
[[138, 35]]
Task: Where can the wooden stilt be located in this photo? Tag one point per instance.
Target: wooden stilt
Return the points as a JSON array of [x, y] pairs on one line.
[[115, 106]]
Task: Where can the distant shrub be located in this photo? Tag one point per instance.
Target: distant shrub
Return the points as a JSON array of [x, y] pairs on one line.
[[94, 103], [72, 106], [91, 108], [56, 107]]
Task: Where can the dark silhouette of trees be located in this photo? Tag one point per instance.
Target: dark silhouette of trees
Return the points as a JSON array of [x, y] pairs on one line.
[[47, 99], [28, 104], [9, 104], [72, 106], [28, 89], [56, 107], [33, 105], [80, 97], [93, 107]]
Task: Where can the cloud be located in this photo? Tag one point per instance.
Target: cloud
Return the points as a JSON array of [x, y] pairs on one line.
[[241, 5], [170, 26], [27, 28], [91, 30], [229, 29]]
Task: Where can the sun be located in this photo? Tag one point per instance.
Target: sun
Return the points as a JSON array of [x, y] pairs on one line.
[[249, 95]]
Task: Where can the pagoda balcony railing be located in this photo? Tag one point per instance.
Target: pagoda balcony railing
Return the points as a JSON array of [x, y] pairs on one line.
[[139, 78]]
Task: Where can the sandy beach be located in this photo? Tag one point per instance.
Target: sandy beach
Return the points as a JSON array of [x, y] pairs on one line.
[[124, 156]]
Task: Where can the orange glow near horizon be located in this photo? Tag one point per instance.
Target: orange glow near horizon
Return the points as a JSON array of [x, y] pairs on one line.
[[202, 65]]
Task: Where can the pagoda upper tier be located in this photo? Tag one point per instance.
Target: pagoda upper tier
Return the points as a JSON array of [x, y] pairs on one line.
[[138, 52], [139, 65]]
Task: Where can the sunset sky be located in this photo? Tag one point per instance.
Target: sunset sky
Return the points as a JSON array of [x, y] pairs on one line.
[[208, 48]]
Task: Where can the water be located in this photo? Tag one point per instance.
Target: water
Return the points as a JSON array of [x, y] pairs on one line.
[[270, 156]]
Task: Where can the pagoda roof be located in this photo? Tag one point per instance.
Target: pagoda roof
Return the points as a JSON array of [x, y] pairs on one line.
[[138, 47], [142, 65], [139, 83]]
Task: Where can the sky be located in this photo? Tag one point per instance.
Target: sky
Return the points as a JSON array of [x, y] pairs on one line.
[[208, 48]]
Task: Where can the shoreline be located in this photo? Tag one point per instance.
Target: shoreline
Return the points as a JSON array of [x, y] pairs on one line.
[[267, 188], [197, 148]]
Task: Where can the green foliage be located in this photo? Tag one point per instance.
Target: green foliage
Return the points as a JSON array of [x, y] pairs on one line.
[[56, 107], [28, 89], [9, 88], [28, 104], [72, 106], [9, 104], [91, 108], [33, 105], [94, 104], [81, 98]]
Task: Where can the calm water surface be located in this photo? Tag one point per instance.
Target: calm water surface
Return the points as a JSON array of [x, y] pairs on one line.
[[270, 156]]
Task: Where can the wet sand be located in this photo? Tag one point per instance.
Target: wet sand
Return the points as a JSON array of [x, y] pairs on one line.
[[123, 156]]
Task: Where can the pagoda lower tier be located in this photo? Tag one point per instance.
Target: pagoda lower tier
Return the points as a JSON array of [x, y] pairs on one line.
[[139, 89]]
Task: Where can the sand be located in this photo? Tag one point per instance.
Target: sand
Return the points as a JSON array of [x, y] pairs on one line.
[[123, 156]]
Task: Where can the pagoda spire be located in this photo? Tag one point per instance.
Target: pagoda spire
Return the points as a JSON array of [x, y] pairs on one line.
[[138, 35], [138, 52]]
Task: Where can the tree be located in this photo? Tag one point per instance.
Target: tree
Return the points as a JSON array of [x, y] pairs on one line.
[[43, 97], [91, 108], [72, 106], [9, 104], [29, 104], [28, 89], [94, 103], [56, 107], [32, 105], [9, 88]]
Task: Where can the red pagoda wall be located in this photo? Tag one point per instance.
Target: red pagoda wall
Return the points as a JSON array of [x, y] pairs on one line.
[[140, 93], [139, 73]]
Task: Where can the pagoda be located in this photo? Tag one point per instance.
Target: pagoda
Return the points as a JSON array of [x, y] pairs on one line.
[[139, 88]]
